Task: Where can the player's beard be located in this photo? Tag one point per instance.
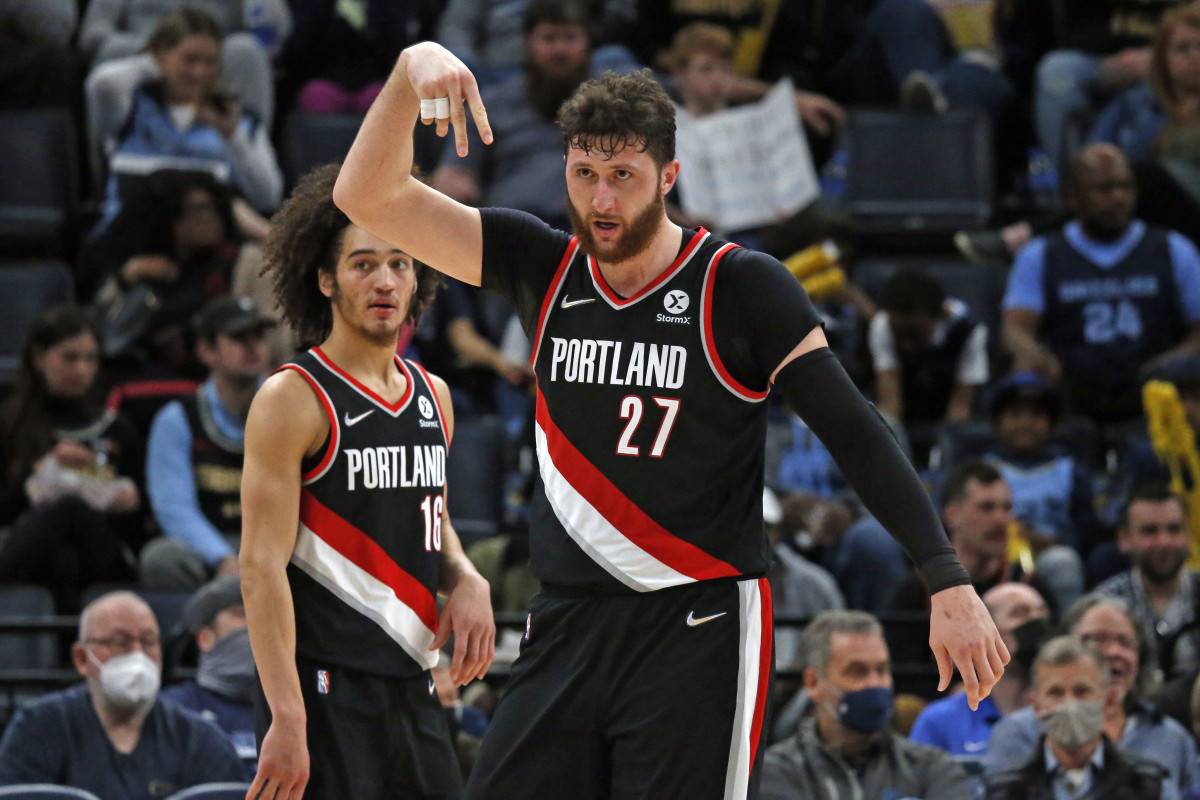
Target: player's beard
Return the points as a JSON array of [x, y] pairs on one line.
[[638, 234], [374, 336]]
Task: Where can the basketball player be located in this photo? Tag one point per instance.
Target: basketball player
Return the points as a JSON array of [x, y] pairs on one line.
[[345, 535], [645, 669]]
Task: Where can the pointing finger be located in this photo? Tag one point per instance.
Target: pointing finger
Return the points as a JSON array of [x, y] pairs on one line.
[[478, 110]]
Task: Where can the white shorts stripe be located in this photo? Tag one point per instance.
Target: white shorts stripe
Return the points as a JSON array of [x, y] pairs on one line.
[[737, 776], [365, 593], [606, 545]]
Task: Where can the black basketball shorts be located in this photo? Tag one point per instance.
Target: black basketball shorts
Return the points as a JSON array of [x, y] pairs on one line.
[[372, 737], [659, 695]]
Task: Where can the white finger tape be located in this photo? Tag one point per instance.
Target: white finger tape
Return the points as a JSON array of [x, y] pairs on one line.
[[443, 108], [428, 107]]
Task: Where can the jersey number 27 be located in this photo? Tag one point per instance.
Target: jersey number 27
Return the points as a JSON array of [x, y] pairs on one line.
[[631, 409]]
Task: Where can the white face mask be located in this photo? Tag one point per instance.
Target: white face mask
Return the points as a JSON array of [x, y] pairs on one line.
[[129, 680]]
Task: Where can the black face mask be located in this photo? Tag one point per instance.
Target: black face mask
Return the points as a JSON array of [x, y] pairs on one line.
[[228, 668], [1029, 636]]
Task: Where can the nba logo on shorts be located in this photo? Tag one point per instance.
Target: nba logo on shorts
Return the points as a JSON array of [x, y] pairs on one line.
[[322, 682], [528, 624]]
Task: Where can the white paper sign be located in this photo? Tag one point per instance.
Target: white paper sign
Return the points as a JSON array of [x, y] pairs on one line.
[[746, 166]]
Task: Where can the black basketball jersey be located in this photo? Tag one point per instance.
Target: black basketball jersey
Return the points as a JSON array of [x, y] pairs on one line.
[[1110, 321], [216, 464], [364, 570], [650, 453]]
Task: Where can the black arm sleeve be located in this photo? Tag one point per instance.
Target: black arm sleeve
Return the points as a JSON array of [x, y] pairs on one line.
[[820, 391]]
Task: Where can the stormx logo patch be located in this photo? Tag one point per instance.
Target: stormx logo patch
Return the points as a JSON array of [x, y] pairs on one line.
[[675, 302], [426, 409]]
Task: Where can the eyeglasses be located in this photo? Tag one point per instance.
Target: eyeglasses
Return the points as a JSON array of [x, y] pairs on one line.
[[1105, 639], [123, 642]]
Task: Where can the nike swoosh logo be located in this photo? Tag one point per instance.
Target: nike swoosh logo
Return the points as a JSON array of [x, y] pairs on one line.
[[568, 303], [974, 747], [693, 622], [352, 422]]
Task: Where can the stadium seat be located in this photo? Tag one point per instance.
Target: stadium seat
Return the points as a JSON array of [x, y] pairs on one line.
[[310, 140], [475, 478], [39, 184], [26, 289], [37, 650], [213, 791], [44, 791], [919, 172]]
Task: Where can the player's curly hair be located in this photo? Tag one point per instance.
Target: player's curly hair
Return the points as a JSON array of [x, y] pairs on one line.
[[614, 111], [306, 235]]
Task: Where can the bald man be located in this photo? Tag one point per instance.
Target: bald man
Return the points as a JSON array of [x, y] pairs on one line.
[[1021, 616], [1105, 299], [111, 735]]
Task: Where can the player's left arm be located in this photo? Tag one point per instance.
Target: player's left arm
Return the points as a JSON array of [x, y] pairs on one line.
[[764, 298], [468, 609]]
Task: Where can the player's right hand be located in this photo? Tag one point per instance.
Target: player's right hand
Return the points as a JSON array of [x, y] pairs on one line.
[[434, 72], [282, 763]]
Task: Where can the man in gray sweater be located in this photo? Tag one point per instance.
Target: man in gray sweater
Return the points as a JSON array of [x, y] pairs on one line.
[[844, 748]]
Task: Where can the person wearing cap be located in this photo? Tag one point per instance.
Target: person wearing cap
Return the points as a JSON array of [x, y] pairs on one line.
[[1051, 487], [223, 690], [194, 451]]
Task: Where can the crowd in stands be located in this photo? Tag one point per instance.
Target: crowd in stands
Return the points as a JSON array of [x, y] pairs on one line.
[[1055, 425]]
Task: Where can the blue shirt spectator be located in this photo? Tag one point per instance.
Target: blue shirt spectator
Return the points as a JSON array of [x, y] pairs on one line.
[[1106, 297], [1133, 121], [171, 479], [1026, 288], [949, 723]]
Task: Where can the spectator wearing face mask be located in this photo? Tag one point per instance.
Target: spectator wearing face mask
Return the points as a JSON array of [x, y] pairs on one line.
[[112, 735], [845, 748], [223, 690], [1134, 725], [1074, 757]]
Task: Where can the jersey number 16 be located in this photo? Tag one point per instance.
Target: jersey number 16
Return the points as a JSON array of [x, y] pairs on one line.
[[432, 506]]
